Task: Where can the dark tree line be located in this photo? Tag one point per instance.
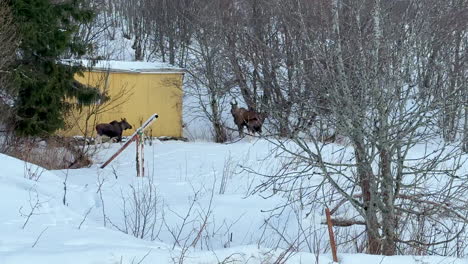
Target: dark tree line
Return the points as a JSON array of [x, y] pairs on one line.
[[274, 53], [37, 89]]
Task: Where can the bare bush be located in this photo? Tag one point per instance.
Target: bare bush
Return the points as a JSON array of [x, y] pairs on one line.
[[50, 153], [228, 171], [34, 205], [141, 210], [193, 230]]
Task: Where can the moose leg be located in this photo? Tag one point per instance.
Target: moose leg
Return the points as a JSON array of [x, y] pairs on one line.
[[98, 141], [241, 130], [119, 138], [251, 134], [110, 141]]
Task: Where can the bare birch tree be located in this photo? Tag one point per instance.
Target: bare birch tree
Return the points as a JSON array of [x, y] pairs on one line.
[[208, 81]]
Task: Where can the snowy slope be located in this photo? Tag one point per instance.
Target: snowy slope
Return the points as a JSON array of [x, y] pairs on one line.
[[61, 239], [186, 180]]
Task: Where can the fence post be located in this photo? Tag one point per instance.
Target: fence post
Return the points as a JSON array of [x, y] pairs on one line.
[[140, 154], [137, 141], [331, 234], [143, 157]]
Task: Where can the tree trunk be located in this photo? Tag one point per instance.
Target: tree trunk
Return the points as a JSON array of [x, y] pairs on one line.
[[240, 76], [368, 187], [465, 129], [386, 180], [220, 133], [388, 210], [172, 50], [137, 43], [452, 103]]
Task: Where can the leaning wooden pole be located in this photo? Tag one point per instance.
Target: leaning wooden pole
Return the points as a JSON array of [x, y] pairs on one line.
[[332, 235], [132, 138]]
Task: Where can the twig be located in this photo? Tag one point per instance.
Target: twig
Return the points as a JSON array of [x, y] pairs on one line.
[[86, 215], [33, 208], [65, 189], [37, 239], [99, 191], [431, 244], [143, 258]]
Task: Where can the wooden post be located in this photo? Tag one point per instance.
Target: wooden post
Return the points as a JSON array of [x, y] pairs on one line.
[[143, 157], [140, 155], [137, 139], [332, 236]]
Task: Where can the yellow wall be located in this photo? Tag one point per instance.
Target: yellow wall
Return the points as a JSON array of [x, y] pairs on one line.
[[134, 96]]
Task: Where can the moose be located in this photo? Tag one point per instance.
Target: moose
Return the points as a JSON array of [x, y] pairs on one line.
[[247, 118], [113, 129]]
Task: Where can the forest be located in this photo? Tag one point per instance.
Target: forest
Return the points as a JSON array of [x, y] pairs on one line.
[[383, 80]]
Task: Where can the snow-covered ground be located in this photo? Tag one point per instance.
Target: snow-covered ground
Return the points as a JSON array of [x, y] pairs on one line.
[[193, 206]]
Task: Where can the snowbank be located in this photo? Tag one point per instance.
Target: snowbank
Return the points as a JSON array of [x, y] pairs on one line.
[[187, 181]]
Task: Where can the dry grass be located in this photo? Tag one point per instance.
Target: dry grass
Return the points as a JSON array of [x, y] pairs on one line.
[[53, 153]]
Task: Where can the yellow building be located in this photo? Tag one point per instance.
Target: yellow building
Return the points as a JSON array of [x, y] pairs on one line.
[[136, 90]]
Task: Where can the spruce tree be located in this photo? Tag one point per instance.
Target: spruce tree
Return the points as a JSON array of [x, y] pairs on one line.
[[46, 87]]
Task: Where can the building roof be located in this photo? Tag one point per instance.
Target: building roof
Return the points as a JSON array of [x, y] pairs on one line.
[[128, 66]]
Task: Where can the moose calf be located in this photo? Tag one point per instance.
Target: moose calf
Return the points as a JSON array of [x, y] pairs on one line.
[[113, 130], [248, 118]]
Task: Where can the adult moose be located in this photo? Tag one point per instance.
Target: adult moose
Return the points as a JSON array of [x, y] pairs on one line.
[[247, 118], [113, 130]]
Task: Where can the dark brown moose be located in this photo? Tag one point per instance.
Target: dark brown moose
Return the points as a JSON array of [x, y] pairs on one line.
[[113, 130], [247, 118]]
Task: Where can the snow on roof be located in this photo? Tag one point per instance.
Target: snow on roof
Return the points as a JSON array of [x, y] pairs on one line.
[[128, 66]]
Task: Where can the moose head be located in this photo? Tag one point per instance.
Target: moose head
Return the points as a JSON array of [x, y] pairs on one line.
[[124, 124]]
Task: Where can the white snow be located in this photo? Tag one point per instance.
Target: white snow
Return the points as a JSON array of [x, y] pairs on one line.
[[128, 66], [187, 178]]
